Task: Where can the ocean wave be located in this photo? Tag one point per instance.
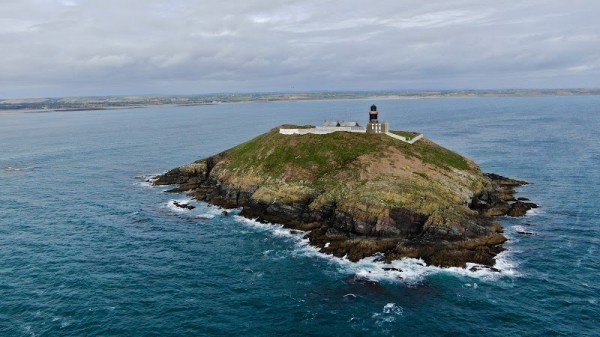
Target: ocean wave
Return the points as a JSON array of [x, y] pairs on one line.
[[409, 271], [275, 229], [534, 212], [413, 271], [171, 205], [198, 210], [146, 180], [388, 314], [20, 169], [522, 230]]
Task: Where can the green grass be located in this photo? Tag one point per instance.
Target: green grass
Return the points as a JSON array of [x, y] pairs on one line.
[[290, 126], [439, 156], [312, 156], [328, 166], [406, 134], [432, 153], [318, 155]]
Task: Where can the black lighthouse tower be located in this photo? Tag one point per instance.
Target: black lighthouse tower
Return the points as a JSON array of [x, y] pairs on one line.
[[374, 126], [373, 114]]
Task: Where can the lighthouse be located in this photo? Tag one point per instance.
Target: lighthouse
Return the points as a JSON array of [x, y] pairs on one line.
[[373, 114], [374, 126]]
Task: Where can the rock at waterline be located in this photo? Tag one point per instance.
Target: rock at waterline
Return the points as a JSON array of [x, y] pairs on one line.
[[183, 205]]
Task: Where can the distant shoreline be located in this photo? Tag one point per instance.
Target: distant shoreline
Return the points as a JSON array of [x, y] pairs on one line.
[[42, 105]]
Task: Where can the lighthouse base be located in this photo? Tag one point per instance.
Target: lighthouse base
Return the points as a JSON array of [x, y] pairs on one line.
[[378, 127]]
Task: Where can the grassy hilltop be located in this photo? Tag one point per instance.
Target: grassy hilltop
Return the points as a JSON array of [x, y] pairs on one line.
[[352, 169]]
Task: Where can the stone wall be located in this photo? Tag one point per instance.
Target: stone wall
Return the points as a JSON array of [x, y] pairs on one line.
[[322, 130], [404, 139]]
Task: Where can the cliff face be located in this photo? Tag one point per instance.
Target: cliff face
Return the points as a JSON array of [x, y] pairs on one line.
[[360, 194]]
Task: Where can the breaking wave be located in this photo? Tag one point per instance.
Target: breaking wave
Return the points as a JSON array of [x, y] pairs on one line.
[[408, 271], [20, 169]]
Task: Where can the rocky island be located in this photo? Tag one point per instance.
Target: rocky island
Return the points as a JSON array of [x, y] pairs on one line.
[[361, 193]]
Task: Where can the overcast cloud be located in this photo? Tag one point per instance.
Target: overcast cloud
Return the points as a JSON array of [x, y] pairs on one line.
[[104, 47]]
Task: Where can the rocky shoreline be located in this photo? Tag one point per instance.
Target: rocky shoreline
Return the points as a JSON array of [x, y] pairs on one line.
[[355, 234]]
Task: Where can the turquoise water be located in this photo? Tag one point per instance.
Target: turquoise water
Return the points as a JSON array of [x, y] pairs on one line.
[[88, 248]]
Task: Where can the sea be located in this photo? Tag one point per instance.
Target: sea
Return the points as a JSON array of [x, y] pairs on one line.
[[88, 247]]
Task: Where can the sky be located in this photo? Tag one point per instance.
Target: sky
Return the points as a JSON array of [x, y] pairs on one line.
[[54, 48]]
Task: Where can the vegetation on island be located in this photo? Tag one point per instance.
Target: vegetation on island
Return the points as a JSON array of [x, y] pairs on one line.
[[406, 134], [314, 156], [360, 193], [353, 170]]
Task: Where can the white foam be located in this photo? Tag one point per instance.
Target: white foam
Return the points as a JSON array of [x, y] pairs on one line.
[[534, 212], [521, 230], [506, 265], [388, 314], [171, 205], [147, 180], [275, 229], [214, 210], [413, 271], [392, 308], [205, 216], [146, 183], [408, 270], [18, 169]]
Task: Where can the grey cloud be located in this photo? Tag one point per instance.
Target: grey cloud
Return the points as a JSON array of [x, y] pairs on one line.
[[95, 47]]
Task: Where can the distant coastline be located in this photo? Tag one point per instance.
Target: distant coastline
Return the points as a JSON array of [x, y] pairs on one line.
[[33, 105]]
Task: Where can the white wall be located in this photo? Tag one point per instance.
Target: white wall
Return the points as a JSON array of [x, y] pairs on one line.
[[322, 130]]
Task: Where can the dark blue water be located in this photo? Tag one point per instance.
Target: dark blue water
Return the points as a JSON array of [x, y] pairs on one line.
[[87, 248]]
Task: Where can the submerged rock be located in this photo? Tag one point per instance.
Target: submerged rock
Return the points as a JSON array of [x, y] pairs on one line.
[[392, 269], [520, 208], [522, 232], [183, 205]]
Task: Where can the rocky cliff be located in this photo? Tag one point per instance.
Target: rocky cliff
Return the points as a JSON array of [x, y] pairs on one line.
[[360, 194]]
